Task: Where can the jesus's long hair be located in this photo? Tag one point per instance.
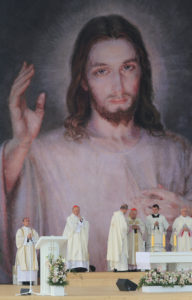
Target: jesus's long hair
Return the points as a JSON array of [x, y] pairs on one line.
[[78, 100]]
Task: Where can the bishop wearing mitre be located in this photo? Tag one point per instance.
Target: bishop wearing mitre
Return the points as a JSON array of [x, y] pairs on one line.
[[156, 226], [135, 237], [117, 249], [26, 259], [77, 234]]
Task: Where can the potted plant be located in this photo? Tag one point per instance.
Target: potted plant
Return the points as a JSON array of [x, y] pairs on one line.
[[155, 281], [57, 275]]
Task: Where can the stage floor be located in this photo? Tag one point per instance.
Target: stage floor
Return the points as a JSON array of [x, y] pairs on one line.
[[95, 286]]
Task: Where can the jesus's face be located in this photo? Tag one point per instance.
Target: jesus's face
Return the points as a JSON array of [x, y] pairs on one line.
[[113, 75]]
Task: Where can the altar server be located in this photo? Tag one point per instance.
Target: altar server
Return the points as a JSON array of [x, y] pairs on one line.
[[77, 233], [117, 250], [26, 258], [135, 237], [156, 226]]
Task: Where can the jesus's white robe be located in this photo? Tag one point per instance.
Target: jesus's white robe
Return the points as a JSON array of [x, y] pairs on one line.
[[135, 240], [26, 258], [77, 235], [117, 249], [184, 239], [57, 172]]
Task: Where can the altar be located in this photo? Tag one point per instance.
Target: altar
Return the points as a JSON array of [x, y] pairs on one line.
[[168, 260]]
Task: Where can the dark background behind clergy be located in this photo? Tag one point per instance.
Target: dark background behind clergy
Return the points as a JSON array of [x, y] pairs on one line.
[[43, 32]]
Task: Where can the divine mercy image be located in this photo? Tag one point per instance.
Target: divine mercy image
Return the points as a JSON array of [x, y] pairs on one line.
[[112, 151]]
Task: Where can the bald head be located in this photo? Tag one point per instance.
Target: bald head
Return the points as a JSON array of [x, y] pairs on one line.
[[184, 211]]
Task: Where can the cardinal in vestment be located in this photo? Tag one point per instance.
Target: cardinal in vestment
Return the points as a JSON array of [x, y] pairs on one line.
[[135, 237]]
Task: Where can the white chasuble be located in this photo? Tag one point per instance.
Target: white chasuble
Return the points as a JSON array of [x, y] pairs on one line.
[[77, 234], [184, 238], [117, 250], [26, 257]]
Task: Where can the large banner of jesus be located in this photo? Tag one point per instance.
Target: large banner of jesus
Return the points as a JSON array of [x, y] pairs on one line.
[[101, 129]]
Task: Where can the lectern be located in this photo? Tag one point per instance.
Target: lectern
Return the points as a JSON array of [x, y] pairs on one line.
[[55, 245]]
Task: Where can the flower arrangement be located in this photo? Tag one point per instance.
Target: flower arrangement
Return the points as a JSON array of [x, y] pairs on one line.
[[166, 279], [57, 271]]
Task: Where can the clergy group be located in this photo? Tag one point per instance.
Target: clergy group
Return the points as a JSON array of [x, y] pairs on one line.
[[128, 234]]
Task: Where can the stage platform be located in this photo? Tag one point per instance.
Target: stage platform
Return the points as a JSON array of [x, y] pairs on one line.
[[95, 286]]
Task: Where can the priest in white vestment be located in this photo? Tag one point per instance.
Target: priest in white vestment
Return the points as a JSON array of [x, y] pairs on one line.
[[135, 237], [181, 238], [77, 233], [117, 248], [156, 226], [26, 258], [113, 145]]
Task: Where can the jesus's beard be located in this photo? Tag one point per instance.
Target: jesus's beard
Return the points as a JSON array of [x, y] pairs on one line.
[[117, 117]]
